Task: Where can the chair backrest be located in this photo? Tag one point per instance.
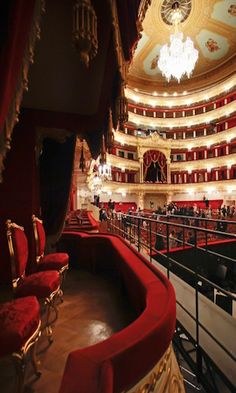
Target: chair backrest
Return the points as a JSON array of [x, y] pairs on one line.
[[18, 248], [39, 237]]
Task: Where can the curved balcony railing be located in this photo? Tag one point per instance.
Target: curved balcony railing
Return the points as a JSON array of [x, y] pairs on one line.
[[205, 325]]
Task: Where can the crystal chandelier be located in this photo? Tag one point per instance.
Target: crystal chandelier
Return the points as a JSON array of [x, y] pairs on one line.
[[180, 57], [104, 171]]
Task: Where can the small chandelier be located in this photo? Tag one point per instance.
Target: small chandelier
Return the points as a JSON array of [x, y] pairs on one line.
[[104, 169], [180, 57], [85, 30]]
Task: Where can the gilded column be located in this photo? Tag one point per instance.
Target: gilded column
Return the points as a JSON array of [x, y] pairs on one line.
[[169, 197], [168, 170], [141, 169], [140, 201]]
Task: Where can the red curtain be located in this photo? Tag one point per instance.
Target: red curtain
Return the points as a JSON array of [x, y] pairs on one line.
[[18, 20], [155, 156]]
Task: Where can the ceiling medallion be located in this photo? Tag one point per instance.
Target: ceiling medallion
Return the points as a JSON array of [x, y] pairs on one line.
[[179, 58], [167, 7]]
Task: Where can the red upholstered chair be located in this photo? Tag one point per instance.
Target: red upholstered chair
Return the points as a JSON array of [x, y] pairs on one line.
[[55, 261], [19, 331], [44, 285]]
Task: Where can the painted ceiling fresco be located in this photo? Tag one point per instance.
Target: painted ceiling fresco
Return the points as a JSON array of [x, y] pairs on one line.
[[211, 24]]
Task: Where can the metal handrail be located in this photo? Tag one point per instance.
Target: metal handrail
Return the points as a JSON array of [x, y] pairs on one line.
[[129, 226]]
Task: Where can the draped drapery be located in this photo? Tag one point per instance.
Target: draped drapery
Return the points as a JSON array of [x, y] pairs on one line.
[[56, 169], [19, 28], [156, 160]]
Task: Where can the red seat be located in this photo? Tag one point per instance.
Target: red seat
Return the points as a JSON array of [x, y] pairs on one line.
[[55, 261], [19, 331], [44, 285]]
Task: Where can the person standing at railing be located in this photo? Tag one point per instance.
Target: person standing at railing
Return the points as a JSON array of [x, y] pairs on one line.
[[191, 238], [172, 239], [159, 243]]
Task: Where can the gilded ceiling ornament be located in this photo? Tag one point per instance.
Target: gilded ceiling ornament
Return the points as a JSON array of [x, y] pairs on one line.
[[232, 10], [167, 9], [212, 45], [154, 62]]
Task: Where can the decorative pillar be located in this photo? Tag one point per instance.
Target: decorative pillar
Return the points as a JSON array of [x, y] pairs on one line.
[[169, 196], [141, 169], [227, 149], [168, 170], [140, 201]]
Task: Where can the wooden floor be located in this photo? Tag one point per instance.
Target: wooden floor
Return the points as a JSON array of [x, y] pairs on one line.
[[93, 309]]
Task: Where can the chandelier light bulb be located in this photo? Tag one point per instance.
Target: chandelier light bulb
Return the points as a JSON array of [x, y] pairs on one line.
[[180, 57]]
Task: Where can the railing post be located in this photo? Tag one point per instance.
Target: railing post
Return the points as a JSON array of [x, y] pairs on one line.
[[195, 238], [168, 250], [206, 234], [198, 351], [139, 220], [150, 240]]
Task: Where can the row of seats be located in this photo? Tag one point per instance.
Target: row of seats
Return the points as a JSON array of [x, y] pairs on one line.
[[81, 220], [24, 318]]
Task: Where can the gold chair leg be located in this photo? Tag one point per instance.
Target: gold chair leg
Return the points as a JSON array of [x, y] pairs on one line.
[[35, 361], [48, 327], [50, 304], [62, 280], [19, 361]]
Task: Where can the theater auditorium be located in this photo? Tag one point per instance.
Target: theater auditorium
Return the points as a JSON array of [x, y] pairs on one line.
[[117, 190]]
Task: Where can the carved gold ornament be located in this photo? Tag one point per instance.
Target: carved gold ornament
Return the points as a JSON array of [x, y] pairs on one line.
[[85, 30], [165, 377]]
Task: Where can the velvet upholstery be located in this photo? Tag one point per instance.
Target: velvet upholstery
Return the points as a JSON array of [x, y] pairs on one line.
[[19, 319], [20, 244], [52, 261], [41, 237], [119, 362], [40, 284]]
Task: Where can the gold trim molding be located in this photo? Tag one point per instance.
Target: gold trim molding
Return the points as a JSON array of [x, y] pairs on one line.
[[165, 377], [156, 141], [204, 118], [158, 188], [217, 90]]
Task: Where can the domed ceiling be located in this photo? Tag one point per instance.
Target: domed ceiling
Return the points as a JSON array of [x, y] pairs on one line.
[[211, 24]]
